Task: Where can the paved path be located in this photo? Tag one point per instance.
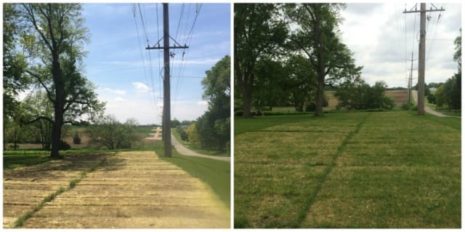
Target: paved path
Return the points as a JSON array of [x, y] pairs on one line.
[[134, 190], [188, 152], [24, 188], [427, 108]]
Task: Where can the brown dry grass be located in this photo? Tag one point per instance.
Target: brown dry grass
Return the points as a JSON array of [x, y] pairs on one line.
[[26, 187], [134, 190]]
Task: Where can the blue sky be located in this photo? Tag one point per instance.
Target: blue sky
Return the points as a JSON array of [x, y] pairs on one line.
[[118, 64]]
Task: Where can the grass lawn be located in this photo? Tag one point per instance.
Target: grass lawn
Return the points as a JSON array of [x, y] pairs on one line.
[[350, 170], [214, 173], [21, 158]]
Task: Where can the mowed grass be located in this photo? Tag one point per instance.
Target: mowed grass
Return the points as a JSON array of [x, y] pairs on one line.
[[21, 158], [215, 173], [350, 170]]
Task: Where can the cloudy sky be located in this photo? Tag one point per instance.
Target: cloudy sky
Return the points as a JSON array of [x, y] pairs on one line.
[[127, 76], [382, 39]]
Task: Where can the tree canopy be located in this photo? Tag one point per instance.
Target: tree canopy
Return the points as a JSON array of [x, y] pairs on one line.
[[258, 32]]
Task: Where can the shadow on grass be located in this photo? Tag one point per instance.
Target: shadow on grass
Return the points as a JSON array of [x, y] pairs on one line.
[[13, 161], [215, 173]]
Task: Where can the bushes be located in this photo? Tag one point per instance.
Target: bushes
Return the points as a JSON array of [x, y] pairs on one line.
[[182, 133], [112, 134], [361, 95], [76, 138], [409, 106], [449, 93], [64, 145]]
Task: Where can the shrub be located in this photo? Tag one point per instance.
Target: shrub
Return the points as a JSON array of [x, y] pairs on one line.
[[408, 106], [76, 138], [361, 96], [108, 132], [182, 133], [64, 145]]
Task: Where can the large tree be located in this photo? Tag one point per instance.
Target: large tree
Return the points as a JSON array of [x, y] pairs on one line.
[[214, 125], [315, 34], [258, 31], [268, 88], [54, 37]]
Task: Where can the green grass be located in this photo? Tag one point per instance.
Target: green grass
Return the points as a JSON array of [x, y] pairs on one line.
[[348, 170], [22, 158], [196, 148], [214, 173], [144, 130], [243, 125]]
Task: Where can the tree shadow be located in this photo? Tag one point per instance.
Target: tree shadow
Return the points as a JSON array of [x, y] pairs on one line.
[[56, 169]]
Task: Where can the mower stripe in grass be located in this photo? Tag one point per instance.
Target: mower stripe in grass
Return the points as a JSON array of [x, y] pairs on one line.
[[23, 218], [311, 199]]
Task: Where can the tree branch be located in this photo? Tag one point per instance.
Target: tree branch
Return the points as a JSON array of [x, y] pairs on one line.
[[309, 12], [37, 119], [74, 100], [49, 94], [30, 12]]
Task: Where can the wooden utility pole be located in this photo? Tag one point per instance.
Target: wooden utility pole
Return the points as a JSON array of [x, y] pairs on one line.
[[421, 54], [410, 81], [166, 120]]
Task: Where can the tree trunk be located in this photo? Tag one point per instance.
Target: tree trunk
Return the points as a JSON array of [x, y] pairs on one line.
[[58, 109], [319, 97], [247, 101], [321, 66]]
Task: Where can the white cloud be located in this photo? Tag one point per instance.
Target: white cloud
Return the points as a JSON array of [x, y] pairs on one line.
[[141, 87], [382, 39]]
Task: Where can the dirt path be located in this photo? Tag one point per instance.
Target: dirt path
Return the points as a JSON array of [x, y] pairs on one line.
[[188, 152], [156, 135], [24, 188], [134, 190], [427, 108]]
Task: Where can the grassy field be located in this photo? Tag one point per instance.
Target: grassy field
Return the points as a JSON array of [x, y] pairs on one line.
[[214, 173], [350, 170]]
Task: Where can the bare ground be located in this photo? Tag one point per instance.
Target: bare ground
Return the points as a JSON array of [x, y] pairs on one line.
[[134, 190]]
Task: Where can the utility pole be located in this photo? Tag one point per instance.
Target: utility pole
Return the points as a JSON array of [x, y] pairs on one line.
[[421, 54], [410, 81], [166, 120]]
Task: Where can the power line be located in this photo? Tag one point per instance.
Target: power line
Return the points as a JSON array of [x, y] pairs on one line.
[[159, 58], [149, 55], [139, 42], [432, 39], [187, 39]]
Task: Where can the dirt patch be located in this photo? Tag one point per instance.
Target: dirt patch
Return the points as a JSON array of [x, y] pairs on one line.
[[135, 190]]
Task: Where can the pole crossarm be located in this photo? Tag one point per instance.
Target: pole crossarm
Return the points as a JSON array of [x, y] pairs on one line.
[[175, 46], [162, 47], [419, 11]]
